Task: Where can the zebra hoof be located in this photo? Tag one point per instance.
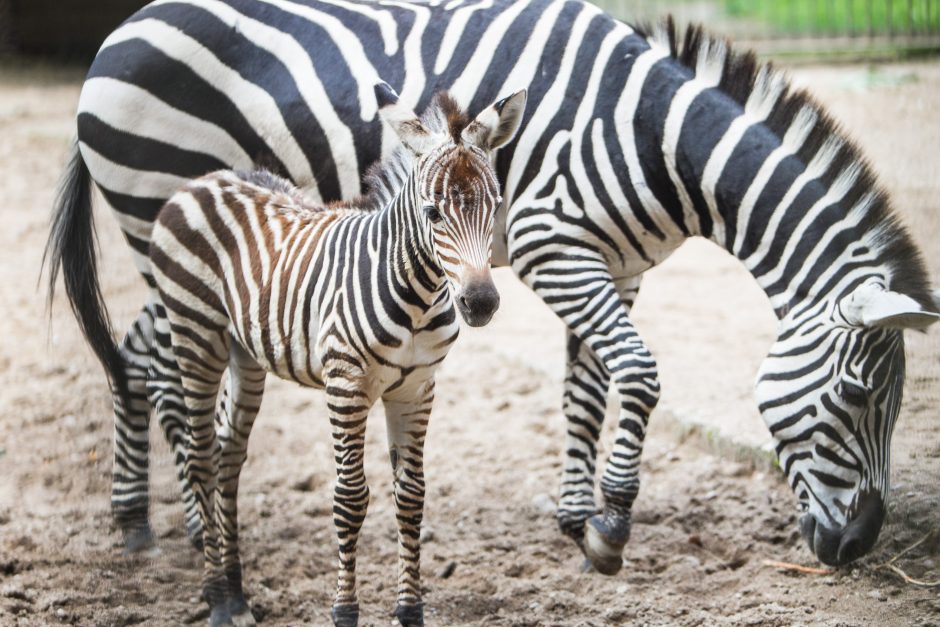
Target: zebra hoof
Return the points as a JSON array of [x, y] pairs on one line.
[[345, 615], [220, 616], [138, 539], [604, 539], [409, 615], [195, 536], [241, 612], [244, 620]]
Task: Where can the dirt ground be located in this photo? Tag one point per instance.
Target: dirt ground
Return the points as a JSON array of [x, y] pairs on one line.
[[703, 524]]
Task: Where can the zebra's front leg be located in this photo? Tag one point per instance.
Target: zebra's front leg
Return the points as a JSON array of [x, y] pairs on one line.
[[130, 495], [240, 404], [348, 407], [407, 423], [584, 404], [592, 306]]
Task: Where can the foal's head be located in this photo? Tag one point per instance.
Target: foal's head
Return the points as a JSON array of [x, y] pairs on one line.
[[458, 193]]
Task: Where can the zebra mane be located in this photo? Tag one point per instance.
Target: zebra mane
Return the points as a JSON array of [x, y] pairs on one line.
[[759, 87]]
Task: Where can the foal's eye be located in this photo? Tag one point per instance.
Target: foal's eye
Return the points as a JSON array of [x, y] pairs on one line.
[[431, 211], [853, 394]]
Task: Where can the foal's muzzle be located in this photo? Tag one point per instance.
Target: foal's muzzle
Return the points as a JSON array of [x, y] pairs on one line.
[[478, 301]]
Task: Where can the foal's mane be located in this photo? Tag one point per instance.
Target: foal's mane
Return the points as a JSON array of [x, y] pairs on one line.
[[384, 178], [741, 75]]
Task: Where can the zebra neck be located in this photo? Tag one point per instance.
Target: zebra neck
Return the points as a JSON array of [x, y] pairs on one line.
[[809, 234], [794, 204]]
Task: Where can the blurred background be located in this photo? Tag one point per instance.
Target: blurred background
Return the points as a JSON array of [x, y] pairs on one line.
[[804, 29]]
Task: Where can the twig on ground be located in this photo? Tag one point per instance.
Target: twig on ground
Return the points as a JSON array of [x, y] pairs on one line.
[[890, 565], [908, 579], [809, 570]]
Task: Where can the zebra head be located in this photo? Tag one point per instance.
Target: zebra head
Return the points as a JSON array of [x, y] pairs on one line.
[[830, 391], [457, 189]]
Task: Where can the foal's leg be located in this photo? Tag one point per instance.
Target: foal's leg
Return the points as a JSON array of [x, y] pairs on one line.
[[130, 495], [407, 423], [240, 404], [203, 355], [165, 391], [348, 408]]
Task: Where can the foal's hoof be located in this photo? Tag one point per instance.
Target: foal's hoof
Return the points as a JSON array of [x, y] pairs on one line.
[[138, 539], [409, 615], [241, 613], [194, 532], [345, 615], [604, 539], [220, 616], [244, 620]]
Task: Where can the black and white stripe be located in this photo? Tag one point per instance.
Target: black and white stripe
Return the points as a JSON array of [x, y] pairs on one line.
[[357, 298], [632, 142]]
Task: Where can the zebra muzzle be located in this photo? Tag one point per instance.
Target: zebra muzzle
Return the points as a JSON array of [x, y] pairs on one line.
[[478, 301]]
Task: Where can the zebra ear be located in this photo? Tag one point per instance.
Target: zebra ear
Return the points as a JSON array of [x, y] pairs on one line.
[[871, 305], [497, 124], [412, 133]]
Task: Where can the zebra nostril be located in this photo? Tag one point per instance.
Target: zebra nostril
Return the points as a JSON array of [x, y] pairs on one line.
[[463, 303]]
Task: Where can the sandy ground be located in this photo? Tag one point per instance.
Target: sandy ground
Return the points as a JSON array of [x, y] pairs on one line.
[[703, 524]]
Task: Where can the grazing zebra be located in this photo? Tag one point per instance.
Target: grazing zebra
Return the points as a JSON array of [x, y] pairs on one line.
[[357, 298], [633, 141]]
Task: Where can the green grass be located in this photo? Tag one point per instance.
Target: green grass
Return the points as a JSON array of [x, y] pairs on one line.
[[825, 17]]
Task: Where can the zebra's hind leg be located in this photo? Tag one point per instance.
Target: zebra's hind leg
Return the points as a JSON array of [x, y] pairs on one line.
[[584, 404], [407, 423], [348, 407], [241, 401], [165, 391], [130, 495]]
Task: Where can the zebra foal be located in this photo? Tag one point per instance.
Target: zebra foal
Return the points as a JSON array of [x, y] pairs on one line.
[[357, 298]]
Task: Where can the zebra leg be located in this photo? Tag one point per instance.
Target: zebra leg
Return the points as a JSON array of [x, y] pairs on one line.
[[407, 423], [165, 391], [584, 403], [589, 303], [634, 373], [203, 355], [348, 407], [130, 497], [241, 401]]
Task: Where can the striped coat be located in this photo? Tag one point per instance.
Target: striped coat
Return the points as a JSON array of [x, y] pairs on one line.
[[357, 298]]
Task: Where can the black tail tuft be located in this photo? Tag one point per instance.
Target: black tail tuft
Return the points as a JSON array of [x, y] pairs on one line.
[[71, 248]]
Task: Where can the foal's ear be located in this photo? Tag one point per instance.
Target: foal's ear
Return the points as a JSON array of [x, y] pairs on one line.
[[497, 124], [412, 133]]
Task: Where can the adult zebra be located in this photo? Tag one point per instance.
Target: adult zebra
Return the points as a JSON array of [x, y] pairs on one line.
[[632, 142]]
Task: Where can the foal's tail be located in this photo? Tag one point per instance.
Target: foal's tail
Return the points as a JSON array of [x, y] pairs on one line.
[[71, 248]]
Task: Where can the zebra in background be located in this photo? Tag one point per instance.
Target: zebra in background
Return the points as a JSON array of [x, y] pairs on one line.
[[357, 298], [633, 141]]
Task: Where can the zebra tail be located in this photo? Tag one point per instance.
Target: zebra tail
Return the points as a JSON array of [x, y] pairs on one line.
[[72, 249]]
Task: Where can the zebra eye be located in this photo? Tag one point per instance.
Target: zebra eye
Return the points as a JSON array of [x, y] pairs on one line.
[[853, 394], [431, 211]]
